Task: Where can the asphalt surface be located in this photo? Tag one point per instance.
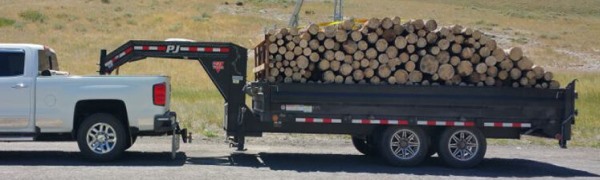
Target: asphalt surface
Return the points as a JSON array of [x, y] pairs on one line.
[[283, 157]]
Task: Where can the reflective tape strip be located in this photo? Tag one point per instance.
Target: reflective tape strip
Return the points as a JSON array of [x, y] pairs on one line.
[[507, 125], [380, 121], [318, 120], [445, 123]]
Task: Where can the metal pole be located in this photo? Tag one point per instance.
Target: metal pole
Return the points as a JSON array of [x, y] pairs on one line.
[[294, 18]]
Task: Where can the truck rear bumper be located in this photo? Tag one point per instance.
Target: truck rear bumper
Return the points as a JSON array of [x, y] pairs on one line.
[[166, 122]]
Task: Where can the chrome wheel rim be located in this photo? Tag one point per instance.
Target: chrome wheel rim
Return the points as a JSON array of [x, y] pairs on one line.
[[101, 138], [405, 144], [463, 145]]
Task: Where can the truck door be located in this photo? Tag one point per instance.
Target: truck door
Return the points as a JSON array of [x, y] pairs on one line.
[[16, 90]]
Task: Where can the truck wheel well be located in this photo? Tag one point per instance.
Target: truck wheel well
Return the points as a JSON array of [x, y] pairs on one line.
[[86, 108]]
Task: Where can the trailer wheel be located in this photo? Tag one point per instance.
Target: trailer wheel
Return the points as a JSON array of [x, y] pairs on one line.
[[462, 147], [101, 137], [404, 146], [364, 145]]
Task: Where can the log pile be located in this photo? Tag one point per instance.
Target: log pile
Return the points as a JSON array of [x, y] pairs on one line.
[[386, 51]]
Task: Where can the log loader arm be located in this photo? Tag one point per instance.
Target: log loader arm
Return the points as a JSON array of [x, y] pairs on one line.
[[225, 64]]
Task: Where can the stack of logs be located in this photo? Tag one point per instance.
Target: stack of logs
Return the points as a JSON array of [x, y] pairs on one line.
[[386, 51]]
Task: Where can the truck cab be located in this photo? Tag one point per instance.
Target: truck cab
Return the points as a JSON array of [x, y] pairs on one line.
[[104, 114]]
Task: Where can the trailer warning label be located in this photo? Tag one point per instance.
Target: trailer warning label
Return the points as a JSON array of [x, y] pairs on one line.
[[297, 107], [218, 65]]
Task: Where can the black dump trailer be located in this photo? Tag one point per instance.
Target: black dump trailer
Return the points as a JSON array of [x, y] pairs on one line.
[[401, 123]]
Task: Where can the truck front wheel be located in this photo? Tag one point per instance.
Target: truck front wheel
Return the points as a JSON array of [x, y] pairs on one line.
[[101, 137], [404, 146], [462, 147]]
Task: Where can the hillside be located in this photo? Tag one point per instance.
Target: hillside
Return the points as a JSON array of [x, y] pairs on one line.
[[558, 34]]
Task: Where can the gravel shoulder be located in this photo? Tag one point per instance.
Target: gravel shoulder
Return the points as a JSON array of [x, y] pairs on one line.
[[283, 157]]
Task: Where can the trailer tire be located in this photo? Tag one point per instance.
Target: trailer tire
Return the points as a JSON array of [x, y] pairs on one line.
[[462, 147], [101, 137], [404, 146], [364, 145]]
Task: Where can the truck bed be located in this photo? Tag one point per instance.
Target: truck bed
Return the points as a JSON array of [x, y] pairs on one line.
[[538, 112]]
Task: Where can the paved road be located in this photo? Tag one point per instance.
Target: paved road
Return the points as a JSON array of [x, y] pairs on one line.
[[282, 157]]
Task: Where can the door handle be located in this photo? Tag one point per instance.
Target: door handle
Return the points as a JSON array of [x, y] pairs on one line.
[[19, 86]]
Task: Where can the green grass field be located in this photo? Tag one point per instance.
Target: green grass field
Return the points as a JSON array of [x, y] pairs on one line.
[[559, 35]]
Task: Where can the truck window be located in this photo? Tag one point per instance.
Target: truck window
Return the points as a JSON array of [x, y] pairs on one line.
[[47, 61], [12, 63]]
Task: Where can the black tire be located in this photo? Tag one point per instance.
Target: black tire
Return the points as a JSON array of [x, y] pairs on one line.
[[465, 159], [419, 151], [118, 132], [364, 145]]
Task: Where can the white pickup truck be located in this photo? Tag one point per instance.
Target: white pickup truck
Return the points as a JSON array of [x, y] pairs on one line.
[[104, 114]]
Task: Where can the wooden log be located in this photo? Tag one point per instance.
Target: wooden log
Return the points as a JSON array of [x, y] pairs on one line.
[[414, 57], [491, 44], [372, 37], [335, 65], [362, 45], [454, 61], [422, 52], [329, 55], [391, 52], [348, 80], [411, 38], [467, 53], [346, 69], [398, 29], [443, 57], [446, 72], [303, 43], [386, 23], [418, 23], [288, 72], [328, 77], [341, 36], [289, 55], [460, 39], [314, 57], [375, 80], [373, 23], [465, 68], [358, 55], [381, 45], [410, 66], [539, 72], [273, 48], [391, 80], [490, 61], [329, 31], [432, 38], [312, 29], [389, 35], [404, 57], [410, 48], [475, 59], [282, 50], [355, 64], [409, 27], [548, 76], [371, 53], [443, 44], [421, 33], [524, 63], [485, 52], [306, 51], [369, 72], [530, 75], [490, 81], [428, 65], [554, 84], [324, 65], [515, 53], [524, 81], [503, 75], [499, 54], [364, 63], [421, 43], [477, 34], [506, 64], [456, 48], [394, 62], [434, 50], [329, 43], [358, 75], [401, 76], [373, 64], [297, 50], [492, 71], [339, 56], [302, 62], [481, 68], [383, 72], [415, 76], [515, 74], [347, 25], [383, 58], [430, 25], [356, 36]]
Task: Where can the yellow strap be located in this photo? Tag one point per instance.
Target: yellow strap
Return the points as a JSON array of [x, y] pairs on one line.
[[357, 21]]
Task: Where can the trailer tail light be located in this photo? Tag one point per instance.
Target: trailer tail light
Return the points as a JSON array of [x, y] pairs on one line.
[[159, 94]]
